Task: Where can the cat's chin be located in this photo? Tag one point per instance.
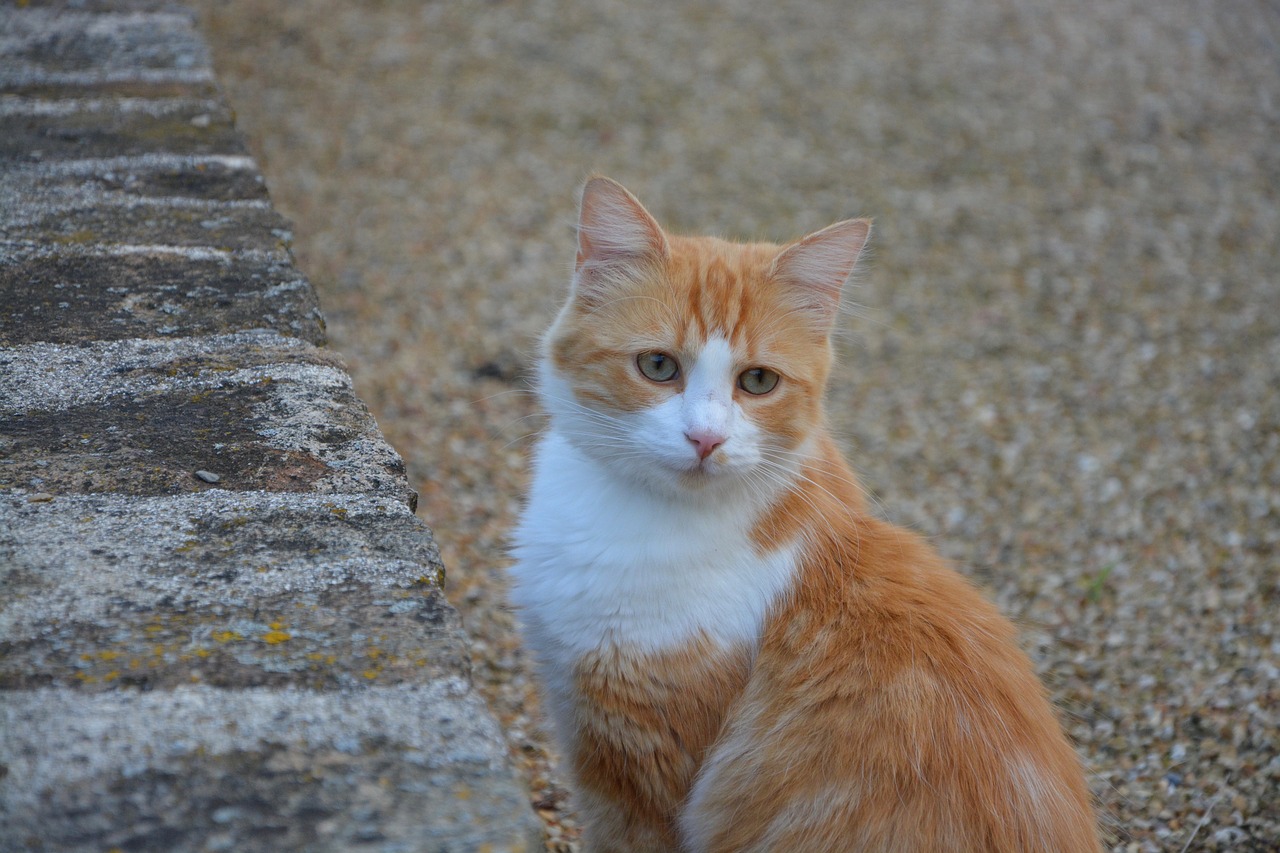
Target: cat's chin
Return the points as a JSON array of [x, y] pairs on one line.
[[675, 479], [702, 477]]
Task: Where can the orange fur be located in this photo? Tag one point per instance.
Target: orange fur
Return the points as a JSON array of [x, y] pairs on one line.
[[887, 668], [885, 705], [646, 724]]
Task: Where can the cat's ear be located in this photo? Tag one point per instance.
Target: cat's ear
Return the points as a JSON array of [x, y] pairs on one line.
[[816, 267], [614, 232]]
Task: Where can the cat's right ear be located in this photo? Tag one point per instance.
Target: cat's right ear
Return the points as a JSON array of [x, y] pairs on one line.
[[816, 268], [615, 234]]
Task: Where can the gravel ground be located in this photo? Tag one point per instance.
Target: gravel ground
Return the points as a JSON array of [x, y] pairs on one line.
[[1065, 357]]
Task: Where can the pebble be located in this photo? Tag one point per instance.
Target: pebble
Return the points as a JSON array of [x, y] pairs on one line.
[[208, 476]]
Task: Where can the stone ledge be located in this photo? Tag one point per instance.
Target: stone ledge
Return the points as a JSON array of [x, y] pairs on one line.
[[143, 416], [236, 589], [199, 768], [101, 40], [223, 627], [66, 294]]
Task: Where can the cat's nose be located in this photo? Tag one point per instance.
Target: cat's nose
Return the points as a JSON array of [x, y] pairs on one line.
[[705, 441]]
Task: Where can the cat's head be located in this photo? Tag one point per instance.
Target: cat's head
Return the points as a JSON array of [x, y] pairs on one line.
[[692, 362]]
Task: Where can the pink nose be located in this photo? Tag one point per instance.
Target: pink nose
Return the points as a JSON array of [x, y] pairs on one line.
[[706, 442]]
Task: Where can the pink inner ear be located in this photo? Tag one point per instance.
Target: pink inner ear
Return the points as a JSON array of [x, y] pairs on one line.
[[817, 266], [613, 226]]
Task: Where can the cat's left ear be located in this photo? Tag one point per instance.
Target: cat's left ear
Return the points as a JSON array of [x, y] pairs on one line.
[[816, 267]]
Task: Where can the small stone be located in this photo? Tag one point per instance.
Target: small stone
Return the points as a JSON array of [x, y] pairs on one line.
[[226, 814], [369, 833], [208, 476], [39, 498]]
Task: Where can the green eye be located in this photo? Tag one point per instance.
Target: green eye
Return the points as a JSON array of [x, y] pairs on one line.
[[657, 366], [758, 380]]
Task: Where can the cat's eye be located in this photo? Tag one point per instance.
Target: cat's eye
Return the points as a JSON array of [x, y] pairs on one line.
[[758, 380], [657, 366]]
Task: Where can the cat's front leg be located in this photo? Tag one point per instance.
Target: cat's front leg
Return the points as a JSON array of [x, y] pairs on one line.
[[611, 827], [642, 722]]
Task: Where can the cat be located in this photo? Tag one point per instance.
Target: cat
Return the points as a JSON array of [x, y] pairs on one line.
[[737, 655]]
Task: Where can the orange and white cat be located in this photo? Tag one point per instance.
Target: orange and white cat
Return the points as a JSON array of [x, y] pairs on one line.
[[737, 654]]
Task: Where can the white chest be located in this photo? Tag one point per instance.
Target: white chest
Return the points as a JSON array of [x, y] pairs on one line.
[[600, 562]]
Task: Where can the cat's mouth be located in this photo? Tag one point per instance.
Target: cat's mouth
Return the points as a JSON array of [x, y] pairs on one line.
[[704, 471]]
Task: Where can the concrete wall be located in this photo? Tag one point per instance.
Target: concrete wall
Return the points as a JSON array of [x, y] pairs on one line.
[[221, 627]]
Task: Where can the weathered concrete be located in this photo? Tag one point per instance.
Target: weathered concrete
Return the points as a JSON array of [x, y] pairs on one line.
[[68, 294], [258, 410], [199, 768], [222, 626]]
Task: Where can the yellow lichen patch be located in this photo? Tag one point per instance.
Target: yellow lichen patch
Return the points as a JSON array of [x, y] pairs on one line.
[[436, 579], [112, 675], [373, 653], [108, 654], [153, 628], [227, 636], [275, 636], [203, 653], [371, 674]]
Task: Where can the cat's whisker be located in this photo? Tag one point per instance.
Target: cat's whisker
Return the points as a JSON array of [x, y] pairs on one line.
[[521, 438], [507, 392], [832, 471], [515, 421]]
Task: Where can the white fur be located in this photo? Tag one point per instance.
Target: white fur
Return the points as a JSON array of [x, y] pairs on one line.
[[707, 402], [602, 562]]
